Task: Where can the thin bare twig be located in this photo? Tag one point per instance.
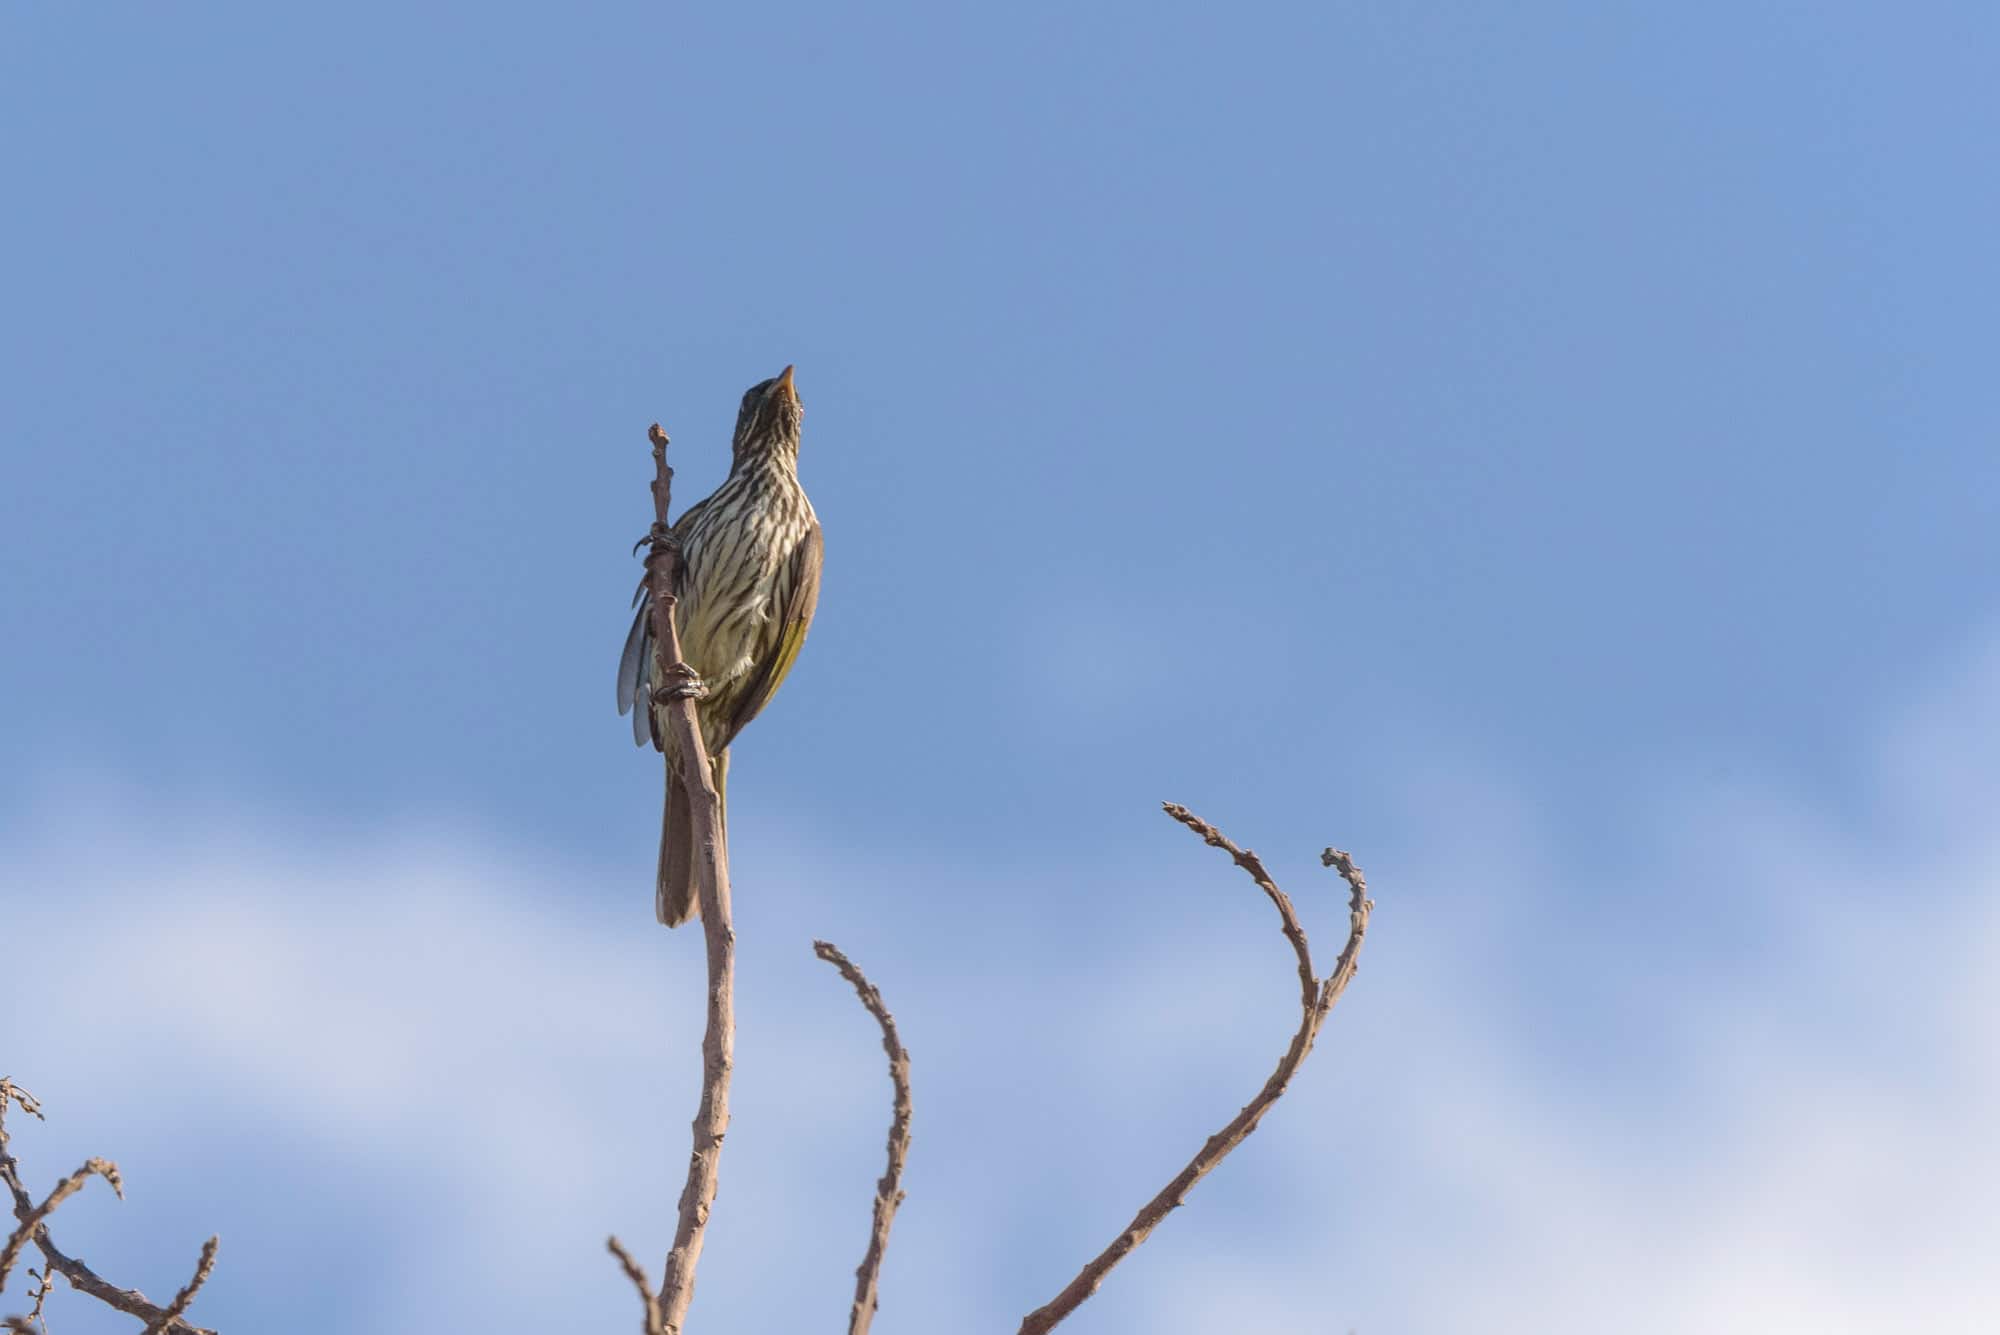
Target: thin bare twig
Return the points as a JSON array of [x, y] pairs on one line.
[[182, 1300], [637, 1274], [80, 1276], [13, 1093], [678, 686], [45, 1284], [1316, 999], [889, 1190]]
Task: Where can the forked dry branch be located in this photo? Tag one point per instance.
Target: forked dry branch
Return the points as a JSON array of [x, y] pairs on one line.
[[31, 1226], [1316, 1000]]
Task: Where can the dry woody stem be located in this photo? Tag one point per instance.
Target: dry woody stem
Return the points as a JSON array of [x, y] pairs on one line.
[[1316, 1001], [889, 1189], [676, 692], [32, 1226]]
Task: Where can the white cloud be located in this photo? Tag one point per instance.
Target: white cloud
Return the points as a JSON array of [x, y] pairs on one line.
[[1752, 1090]]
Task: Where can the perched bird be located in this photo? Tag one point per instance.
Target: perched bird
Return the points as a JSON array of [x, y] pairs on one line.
[[749, 581]]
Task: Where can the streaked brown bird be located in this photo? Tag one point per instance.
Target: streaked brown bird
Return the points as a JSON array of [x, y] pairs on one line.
[[749, 581]]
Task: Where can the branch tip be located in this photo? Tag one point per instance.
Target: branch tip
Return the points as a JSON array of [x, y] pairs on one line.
[[28, 1103], [637, 1274], [203, 1268]]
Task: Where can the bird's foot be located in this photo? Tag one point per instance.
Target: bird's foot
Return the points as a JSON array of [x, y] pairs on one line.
[[656, 537], [682, 683]]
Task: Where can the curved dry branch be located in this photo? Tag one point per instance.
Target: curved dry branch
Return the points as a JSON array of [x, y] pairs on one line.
[[889, 1189], [1359, 906], [1316, 999], [33, 1227], [676, 690]]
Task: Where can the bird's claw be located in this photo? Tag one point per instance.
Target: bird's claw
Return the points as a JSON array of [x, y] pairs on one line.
[[659, 535], [682, 683]]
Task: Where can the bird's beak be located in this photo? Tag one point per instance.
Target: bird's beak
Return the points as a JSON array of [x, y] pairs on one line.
[[785, 385]]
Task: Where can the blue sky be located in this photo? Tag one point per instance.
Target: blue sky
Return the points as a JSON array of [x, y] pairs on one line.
[[1547, 451]]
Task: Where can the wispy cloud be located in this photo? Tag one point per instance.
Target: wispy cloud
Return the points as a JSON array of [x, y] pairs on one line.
[[1755, 1092]]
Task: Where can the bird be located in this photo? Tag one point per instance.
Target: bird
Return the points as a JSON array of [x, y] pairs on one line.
[[748, 586]]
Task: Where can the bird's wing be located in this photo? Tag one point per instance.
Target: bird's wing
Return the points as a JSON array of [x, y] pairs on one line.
[[794, 617], [631, 663], [635, 665], [635, 670]]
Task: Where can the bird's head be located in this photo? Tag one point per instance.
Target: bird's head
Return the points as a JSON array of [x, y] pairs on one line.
[[768, 421]]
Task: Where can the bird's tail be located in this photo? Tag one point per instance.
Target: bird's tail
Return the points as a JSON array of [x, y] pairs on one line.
[[675, 899]]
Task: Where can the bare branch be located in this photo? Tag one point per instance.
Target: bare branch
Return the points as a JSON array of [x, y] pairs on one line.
[[1315, 1000], [676, 691], [31, 1220], [87, 1282], [80, 1276], [637, 1274], [888, 1191]]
